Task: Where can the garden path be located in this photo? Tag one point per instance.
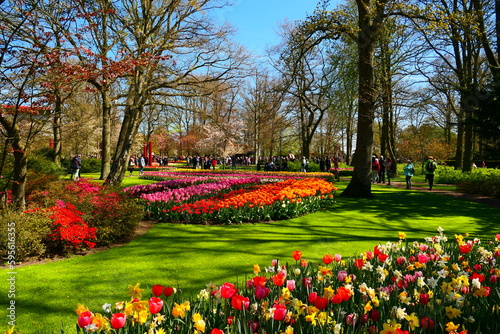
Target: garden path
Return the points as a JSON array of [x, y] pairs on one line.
[[495, 202]]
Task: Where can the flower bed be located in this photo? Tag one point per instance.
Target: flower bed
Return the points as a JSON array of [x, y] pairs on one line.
[[158, 175], [233, 200], [436, 286]]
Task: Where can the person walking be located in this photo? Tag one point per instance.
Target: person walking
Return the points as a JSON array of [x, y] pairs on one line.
[[430, 168], [76, 165], [131, 165], [381, 172], [388, 168], [409, 170], [375, 168], [141, 162]]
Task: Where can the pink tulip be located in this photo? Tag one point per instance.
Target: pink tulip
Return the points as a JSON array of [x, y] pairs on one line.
[[155, 305], [118, 320], [85, 319]]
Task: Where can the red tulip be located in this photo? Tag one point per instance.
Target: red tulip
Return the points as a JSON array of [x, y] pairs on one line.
[[157, 290], [279, 312], [327, 259], [375, 315], [259, 280], [344, 293], [296, 255], [168, 291], [426, 323], [279, 279], [216, 331], [118, 320], [478, 276], [359, 263], [321, 303], [85, 319], [155, 305], [382, 257], [424, 298], [464, 249], [336, 299], [312, 297], [239, 302], [227, 290]]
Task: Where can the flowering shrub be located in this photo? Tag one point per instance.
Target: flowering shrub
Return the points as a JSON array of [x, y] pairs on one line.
[[436, 286], [272, 201], [69, 232], [112, 213]]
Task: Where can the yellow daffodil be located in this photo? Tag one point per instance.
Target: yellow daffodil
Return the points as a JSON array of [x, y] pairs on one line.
[[328, 292], [289, 330], [12, 330], [286, 294], [323, 318], [199, 323], [368, 307], [256, 269], [299, 306], [135, 291], [311, 318], [160, 331], [101, 322], [388, 329], [412, 321], [452, 312], [80, 308], [451, 327], [402, 235]]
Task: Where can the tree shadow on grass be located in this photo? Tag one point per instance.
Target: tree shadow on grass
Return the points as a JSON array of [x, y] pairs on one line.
[[400, 205]]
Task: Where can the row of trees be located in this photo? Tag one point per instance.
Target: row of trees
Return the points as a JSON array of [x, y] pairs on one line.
[[398, 78]]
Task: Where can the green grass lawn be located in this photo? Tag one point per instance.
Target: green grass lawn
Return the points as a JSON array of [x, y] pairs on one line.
[[188, 257]]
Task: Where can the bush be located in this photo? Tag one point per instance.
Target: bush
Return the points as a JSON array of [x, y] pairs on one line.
[[115, 216], [91, 165], [30, 232], [42, 164], [481, 181], [111, 212]]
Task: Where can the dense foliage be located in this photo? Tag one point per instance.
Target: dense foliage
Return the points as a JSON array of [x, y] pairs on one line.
[[480, 181]]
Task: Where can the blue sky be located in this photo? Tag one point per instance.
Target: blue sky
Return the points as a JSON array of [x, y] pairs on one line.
[[258, 21]]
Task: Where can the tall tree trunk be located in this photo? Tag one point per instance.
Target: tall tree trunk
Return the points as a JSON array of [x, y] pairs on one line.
[[106, 133], [20, 173], [468, 140], [128, 132], [460, 140], [360, 185], [20, 164], [57, 130]]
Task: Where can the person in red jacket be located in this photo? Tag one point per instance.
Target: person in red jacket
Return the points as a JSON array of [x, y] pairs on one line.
[[375, 168]]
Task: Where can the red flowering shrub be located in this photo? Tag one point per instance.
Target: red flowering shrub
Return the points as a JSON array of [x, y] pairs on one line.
[[113, 215], [70, 232]]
